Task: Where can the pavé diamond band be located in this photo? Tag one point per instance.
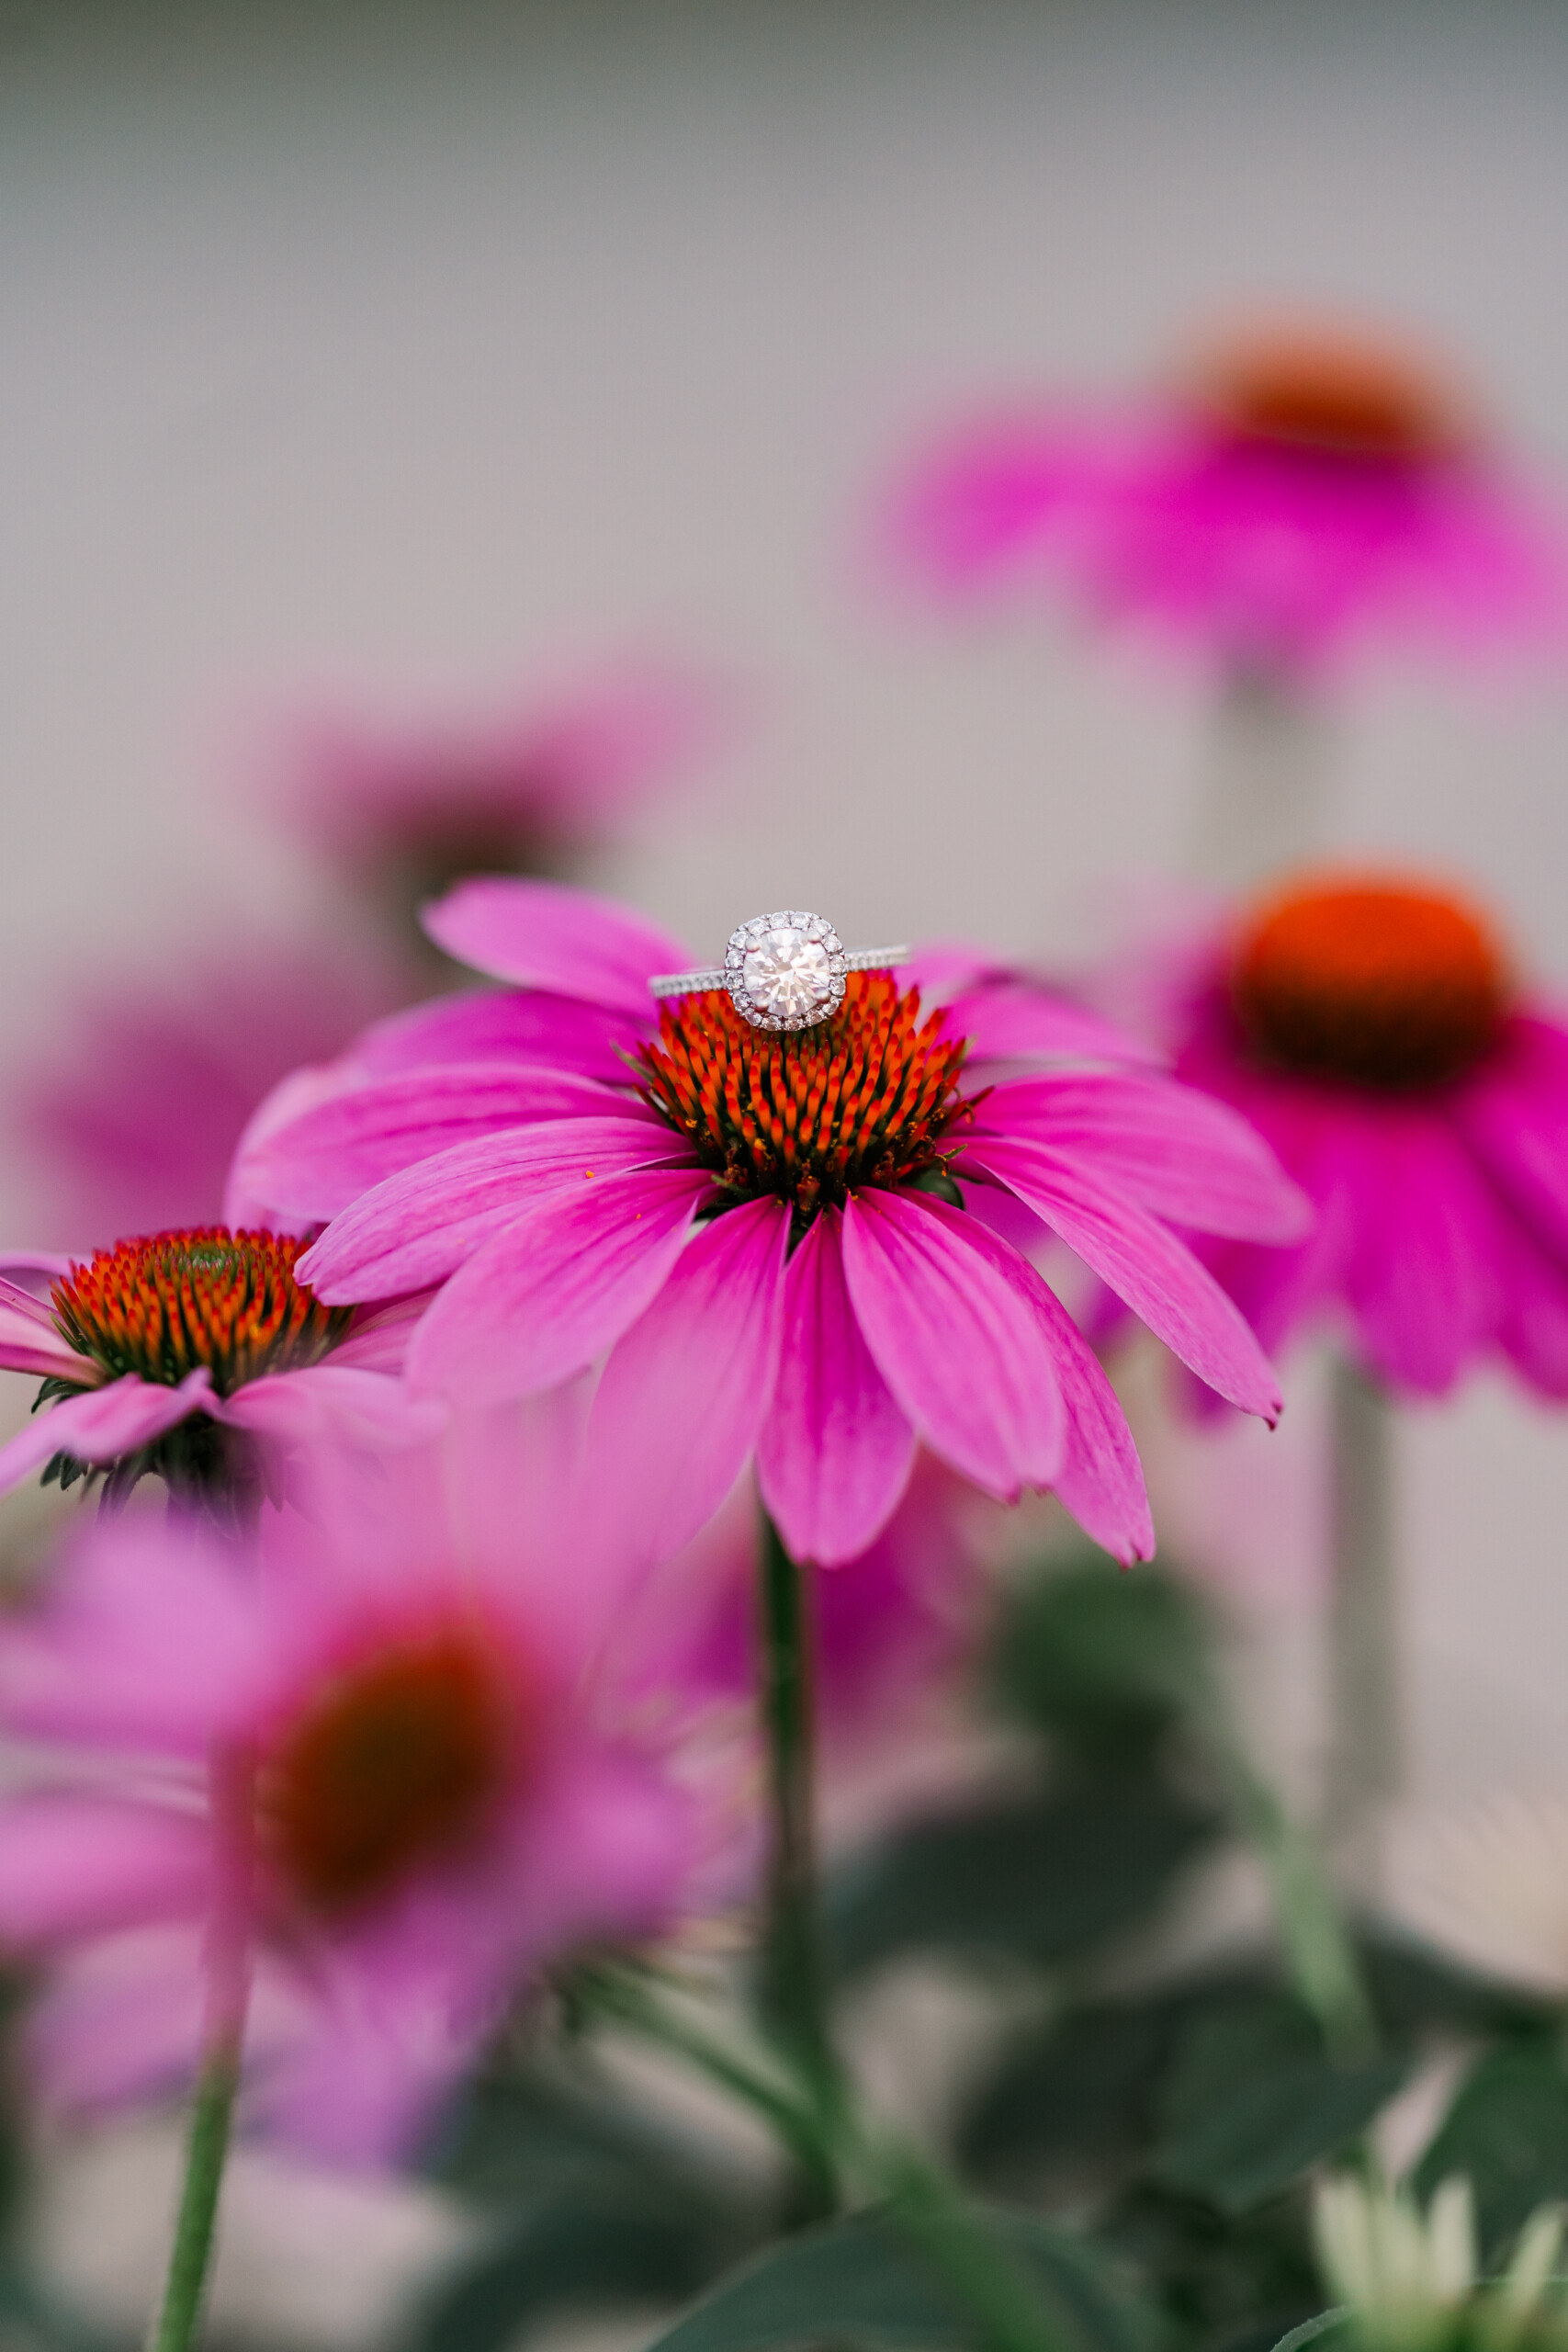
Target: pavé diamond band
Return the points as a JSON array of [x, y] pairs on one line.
[[781, 971]]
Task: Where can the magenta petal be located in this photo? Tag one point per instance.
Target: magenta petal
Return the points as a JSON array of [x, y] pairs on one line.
[[688, 1388], [419, 1226], [322, 1400], [504, 1025], [1179, 1152], [547, 1297], [835, 1453], [78, 1865], [47, 1264], [320, 1163], [1016, 1021], [1101, 1480], [1145, 1264], [102, 1425], [30, 1343], [1514, 1115], [543, 935], [962, 1349]]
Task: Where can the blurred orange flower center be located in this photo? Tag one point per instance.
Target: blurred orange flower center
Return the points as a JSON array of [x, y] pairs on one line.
[[1330, 393], [1370, 983], [865, 1097], [396, 1764], [162, 1305]]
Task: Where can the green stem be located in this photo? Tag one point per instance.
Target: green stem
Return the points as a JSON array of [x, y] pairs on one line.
[[228, 1958], [793, 1987], [981, 2271], [1364, 1700], [207, 2149]]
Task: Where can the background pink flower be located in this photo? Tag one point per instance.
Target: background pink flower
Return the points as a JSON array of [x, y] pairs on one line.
[[429, 1674], [795, 1246], [1373, 1031], [1310, 489]]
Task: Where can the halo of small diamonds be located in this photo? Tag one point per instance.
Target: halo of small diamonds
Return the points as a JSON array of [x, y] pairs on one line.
[[785, 970]]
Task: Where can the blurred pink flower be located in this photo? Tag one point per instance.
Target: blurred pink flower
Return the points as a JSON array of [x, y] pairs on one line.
[[1310, 489], [425, 1680], [158, 1347], [788, 1245], [132, 1119], [524, 792], [1371, 1029]]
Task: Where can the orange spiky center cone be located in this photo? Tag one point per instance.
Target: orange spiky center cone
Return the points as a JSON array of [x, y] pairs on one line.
[[869, 1096], [395, 1763], [1331, 390], [163, 1305], [1369, 982]]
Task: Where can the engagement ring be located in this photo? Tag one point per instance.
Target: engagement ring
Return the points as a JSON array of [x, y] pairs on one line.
[[783, 971]]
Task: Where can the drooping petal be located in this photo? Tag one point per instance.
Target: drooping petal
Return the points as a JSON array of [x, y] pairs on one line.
[[541, 1300], [1179, 1153], [48, 1264], [317, 1165], [74, 1865], [1101, 1480], [1514, 1115], [502, 1025], [962, 1351], [419, 1226], [688, 1388], [1014, 1021], [104, 1424], [543, 935], [378, 1336], [296, 1407], [30, 1341], [836, 1451], [1145, 1264], [1425, 1260]]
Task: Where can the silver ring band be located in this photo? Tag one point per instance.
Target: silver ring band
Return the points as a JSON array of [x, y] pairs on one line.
[[781, 971], [714, 975]]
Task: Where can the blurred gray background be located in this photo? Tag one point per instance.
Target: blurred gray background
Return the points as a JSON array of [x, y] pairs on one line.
[[381, 351]]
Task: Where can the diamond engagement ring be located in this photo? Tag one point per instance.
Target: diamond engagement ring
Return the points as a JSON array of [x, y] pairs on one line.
[[783, 971]]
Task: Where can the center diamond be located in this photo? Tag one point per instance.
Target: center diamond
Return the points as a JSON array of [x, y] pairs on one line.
[[785, 971]]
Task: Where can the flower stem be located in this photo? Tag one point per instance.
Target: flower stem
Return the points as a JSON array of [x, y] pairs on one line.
[[1364, 1696], [1263, 800], [793, 1987], [228, 1965]]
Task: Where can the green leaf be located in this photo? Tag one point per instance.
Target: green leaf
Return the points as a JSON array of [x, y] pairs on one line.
[[1044, 1879], [865, 2283], [1507, 2129], [1311, 2329], [568, 2251], [1082, 2092], [1103, 1661], [1252, 2100]]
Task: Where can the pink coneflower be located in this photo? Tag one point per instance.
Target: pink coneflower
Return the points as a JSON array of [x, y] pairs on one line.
[[424, 1683], [176, 1352], [1373, 1031], [1305, 490], [531, 790], [793, 1245], [128, 1120]]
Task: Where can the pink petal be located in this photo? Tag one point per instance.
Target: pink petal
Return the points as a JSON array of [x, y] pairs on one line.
[[686, 1391], [419, 1226], [49, 1263], [30, 1342], [378, 1336], [1143, 1263], [1514, 1115], [320, 1162], [961, 1348], [103, 1425], [246, 1203], [1100, 1480], [76, 1865], [542, 1299], [323, 1399], [1179, 1152], [1016, 1021], [543, 935], [501, 1025], [835, 1453], [1424, 1257]]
